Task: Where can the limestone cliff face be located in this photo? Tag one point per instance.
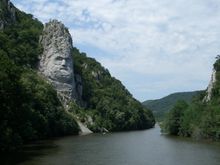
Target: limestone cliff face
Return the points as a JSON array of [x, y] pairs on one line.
[[56, 65], [210, 87], [7, 13], [56, 62]]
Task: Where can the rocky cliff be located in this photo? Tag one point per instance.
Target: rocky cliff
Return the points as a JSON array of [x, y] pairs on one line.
[[210, 87], [56, 65], [56, 62]]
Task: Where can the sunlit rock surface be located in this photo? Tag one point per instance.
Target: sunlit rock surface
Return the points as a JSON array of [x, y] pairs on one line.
[[56, 62], [210, 87]]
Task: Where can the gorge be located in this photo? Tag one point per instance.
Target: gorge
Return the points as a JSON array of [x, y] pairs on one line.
[[51, 93], [48, 86]]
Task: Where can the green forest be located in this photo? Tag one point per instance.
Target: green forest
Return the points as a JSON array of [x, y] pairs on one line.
[[109, 103], [161, 107], [200, 119]]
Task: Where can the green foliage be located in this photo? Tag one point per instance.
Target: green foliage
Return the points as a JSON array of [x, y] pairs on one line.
[[29, 109], [162, 106], [9, 90], [109, 103], [5, 14], [43, 101], [217, 63], [200, 120], [189, 121], [173, 121], [20, 40]]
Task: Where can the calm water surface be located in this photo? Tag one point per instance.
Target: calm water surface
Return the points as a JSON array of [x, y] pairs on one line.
[[128, 148]]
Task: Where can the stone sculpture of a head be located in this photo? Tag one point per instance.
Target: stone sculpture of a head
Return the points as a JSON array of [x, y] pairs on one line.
[[56, 62]]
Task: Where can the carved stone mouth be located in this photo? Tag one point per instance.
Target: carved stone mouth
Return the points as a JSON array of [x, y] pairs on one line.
[[63, 68]]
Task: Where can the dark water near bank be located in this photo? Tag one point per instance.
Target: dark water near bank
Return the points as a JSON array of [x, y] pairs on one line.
[[127, 148]]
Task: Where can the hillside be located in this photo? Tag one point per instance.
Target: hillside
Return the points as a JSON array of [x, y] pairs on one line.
[[31, 107], [108, 102], [201, 118], [161, 106]]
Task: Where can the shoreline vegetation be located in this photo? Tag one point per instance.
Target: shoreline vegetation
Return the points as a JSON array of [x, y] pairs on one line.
[[201, 118]]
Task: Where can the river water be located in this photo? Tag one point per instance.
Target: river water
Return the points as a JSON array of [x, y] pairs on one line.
[[147, 147]]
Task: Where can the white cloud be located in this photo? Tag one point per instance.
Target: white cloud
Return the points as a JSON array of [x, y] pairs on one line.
[[162, 45]]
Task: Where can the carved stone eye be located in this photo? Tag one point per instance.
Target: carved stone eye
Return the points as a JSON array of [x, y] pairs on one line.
[[59, 58]]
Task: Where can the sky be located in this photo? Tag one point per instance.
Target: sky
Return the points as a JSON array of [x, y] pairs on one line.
[[155, 47]]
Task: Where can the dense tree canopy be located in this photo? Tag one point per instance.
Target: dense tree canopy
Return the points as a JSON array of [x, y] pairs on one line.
[[108, 101]]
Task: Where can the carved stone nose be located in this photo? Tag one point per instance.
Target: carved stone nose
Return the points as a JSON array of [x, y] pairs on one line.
[[63, 62]]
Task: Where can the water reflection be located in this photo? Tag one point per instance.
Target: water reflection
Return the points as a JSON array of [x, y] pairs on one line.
[[128, 148], [29, 152]]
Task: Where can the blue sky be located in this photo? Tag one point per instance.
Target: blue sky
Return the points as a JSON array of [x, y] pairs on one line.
[[155, 47]]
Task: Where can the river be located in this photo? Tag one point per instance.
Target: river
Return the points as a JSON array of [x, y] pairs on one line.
[[146, 147]]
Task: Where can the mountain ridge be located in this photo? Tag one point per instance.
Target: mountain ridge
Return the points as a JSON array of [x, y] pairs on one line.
[[163, 105]]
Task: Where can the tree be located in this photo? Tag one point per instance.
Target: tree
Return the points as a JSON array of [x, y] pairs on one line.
[[173, 121]]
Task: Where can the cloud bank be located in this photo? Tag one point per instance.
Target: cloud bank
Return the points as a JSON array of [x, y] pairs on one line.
[[153, 47]]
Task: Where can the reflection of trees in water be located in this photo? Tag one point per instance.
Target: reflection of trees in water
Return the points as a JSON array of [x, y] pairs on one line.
[[30, 151]]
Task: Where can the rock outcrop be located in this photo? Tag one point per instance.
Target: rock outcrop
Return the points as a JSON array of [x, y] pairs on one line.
[[83, 128], [210, 87], [56, 62], [56, 65]]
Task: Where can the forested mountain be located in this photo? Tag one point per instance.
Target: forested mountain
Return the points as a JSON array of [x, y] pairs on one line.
[[108, 102], [201, 118], [30, 108], [161, 106]]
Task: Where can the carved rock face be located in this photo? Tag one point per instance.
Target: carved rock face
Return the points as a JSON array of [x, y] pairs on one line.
[[56, 63], [58, 66]]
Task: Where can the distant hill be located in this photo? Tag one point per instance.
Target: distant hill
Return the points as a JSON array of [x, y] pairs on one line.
[[161, 106]]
